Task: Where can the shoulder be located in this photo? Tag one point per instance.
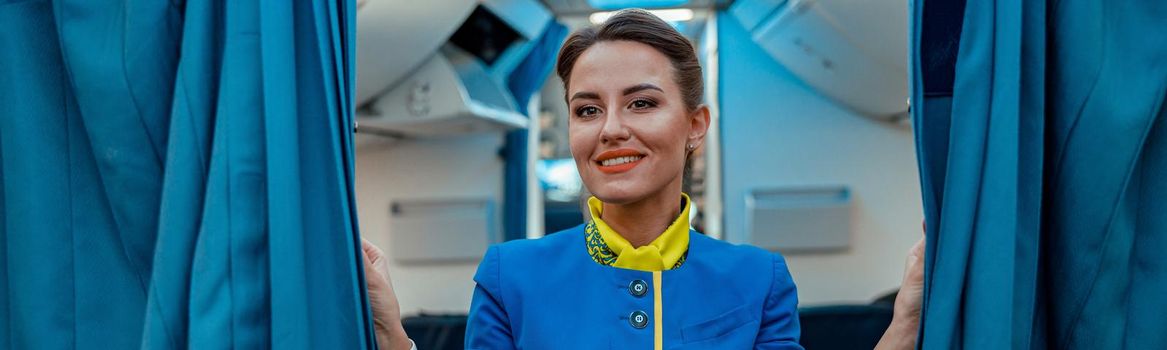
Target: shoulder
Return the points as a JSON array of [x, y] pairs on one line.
[[725, 253], [526, 254], [742, 265], [533, 249]]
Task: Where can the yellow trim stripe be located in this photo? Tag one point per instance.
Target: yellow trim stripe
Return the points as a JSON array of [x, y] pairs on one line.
[[658, 328]]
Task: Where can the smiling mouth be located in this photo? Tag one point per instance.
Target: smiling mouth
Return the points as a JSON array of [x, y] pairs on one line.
[[618, 161]]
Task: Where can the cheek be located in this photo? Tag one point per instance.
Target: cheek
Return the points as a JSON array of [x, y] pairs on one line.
[[580, 142], [667, 133]]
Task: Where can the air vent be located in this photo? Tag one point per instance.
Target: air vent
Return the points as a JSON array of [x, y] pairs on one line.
[[484, 35]]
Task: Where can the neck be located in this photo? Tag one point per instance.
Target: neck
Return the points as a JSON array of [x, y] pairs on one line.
[[643, 221]]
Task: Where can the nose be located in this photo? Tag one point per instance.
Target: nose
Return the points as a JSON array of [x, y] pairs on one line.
[[614, 128]]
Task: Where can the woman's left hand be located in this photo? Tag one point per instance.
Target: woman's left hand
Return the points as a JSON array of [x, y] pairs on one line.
[[905, 323], [909, 300]]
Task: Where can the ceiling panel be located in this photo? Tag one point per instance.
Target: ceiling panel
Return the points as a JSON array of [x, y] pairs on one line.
[[581, 7], [879, 27]]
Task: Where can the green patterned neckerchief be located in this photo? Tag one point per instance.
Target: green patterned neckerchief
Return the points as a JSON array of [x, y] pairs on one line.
[[600, 252]]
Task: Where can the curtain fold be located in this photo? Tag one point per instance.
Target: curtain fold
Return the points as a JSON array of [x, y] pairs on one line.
[[1043, 174], [524, 83], [178, 175]]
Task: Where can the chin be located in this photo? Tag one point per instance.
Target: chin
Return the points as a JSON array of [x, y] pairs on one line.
[[616, 194]]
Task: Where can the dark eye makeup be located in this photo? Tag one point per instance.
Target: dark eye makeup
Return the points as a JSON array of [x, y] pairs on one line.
[[587, 111], [642, 103]]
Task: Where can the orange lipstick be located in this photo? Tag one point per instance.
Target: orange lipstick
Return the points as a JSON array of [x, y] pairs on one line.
[[619, 160]]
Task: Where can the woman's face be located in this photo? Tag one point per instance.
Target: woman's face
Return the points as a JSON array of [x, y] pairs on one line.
[[628, 125]]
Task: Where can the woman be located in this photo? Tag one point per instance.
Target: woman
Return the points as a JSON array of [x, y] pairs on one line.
[[635, 276]]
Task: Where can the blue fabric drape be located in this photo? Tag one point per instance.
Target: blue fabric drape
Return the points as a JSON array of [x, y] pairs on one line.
[[523, 84], [1044, 174], [178, 175]]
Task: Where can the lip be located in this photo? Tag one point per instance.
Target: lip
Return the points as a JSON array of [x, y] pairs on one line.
[[615, 169]]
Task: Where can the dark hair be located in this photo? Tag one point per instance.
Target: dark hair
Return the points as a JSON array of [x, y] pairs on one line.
[[639, 26]]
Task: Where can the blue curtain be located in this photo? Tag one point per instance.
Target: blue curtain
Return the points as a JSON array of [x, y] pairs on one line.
[[178, 175], [1042, 141], [524, 83]]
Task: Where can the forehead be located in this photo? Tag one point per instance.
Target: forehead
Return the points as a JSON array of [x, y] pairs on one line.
[[615, 65]]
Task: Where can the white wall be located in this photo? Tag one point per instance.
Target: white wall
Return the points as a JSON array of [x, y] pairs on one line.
[[444, 168], [778, 132]]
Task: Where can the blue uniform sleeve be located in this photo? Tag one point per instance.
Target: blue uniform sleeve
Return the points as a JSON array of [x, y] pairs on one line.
[[779, 329], [488, 326]]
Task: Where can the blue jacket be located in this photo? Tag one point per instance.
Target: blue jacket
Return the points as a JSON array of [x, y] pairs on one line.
[[549, 294]]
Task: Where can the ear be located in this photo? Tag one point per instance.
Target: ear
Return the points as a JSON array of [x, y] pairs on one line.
[[698, 125]]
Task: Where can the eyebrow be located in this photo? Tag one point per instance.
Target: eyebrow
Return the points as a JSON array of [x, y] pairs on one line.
[[627, 91], [641, 87], [587, 95]]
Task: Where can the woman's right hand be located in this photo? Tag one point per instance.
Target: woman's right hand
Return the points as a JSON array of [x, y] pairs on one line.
[[386, 312]]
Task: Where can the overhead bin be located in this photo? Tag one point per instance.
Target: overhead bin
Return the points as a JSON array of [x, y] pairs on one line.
[[806, 38], [441, 69]]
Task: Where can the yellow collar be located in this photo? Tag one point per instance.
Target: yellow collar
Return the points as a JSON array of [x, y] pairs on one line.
[[663, 253]]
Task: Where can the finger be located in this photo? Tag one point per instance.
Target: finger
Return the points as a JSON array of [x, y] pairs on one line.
[[369, 268], [375, 254], [918, 248], [365, 257], [914, 258], [367, 246], [374, 260], [372, 278]]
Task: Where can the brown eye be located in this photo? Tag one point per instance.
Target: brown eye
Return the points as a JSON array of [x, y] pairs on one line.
[[587, 111], [642, 104]]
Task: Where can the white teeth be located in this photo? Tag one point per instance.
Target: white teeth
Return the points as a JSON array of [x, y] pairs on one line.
[[620, 160]]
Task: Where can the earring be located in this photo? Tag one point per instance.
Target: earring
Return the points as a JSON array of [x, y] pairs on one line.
[[691, 147]]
